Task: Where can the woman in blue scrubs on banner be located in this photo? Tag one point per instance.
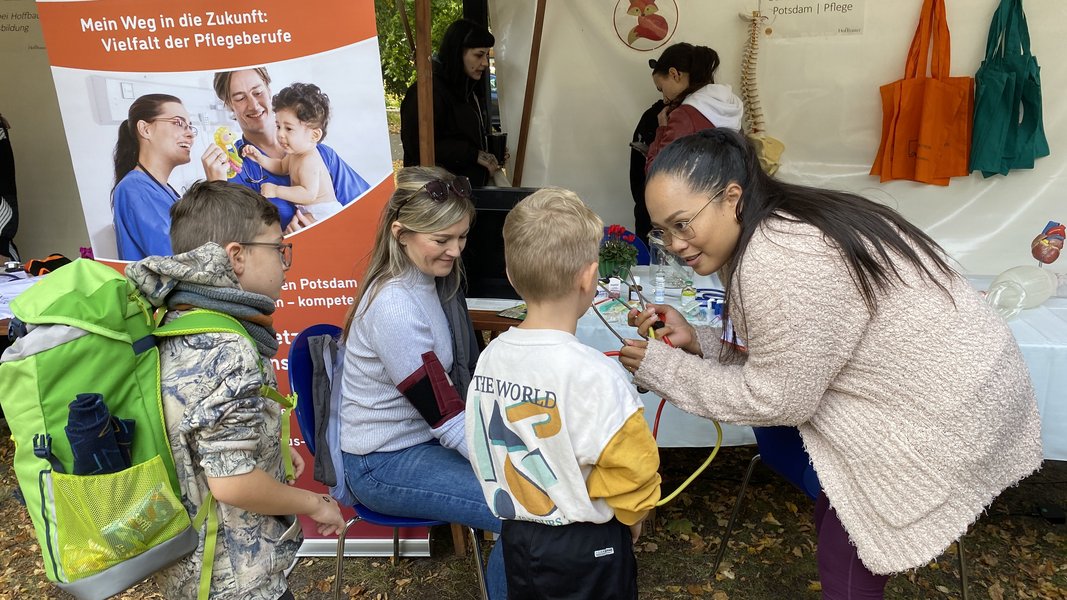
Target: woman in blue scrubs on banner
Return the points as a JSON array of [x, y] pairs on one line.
[[154, 139], [247, 93]]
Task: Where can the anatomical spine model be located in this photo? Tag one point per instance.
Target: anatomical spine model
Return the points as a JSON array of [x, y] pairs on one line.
[[768, 148]]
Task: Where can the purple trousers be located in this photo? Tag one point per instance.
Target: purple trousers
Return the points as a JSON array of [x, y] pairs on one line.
[[841, 572]]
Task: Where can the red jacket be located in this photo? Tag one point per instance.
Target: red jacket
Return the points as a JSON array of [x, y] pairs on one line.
[[681, 122]]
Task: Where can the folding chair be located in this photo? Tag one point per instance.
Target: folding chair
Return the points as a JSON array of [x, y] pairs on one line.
[[300, 382], [782, 449]]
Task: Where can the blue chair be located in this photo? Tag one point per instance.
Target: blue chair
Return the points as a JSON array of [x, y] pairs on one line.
[[300, 378], [781, 449]]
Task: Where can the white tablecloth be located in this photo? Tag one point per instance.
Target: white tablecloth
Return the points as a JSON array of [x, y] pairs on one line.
[[1041, 333], [677, 428], [1042, 336]]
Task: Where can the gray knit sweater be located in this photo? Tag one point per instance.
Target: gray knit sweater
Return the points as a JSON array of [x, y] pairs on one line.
[[916, 418], [384, 345]]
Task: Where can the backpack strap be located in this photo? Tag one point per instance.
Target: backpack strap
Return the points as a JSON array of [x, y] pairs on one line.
[[288, 404], [207, 513], [210, 321]]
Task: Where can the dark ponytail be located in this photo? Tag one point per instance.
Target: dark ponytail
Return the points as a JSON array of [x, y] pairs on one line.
[[126, 151], [870, 236], [128, 146], [699, 62], [705, 62]]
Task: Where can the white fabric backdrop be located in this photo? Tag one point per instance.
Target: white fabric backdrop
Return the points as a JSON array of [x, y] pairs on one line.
[[820, 97]]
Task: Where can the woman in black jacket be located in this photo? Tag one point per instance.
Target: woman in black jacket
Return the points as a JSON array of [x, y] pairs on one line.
[[460, 122]]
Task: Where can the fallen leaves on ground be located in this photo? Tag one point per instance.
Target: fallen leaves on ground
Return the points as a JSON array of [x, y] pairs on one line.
[[770, 555]]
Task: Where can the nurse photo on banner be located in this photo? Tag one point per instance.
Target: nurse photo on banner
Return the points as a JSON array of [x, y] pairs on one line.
[[142, 126], [158, 136], [247, 93], [155, 138]]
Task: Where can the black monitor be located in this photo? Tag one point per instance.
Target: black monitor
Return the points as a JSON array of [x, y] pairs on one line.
[[483, 258]]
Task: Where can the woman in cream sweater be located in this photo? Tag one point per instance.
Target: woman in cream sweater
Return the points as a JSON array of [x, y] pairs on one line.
[[910, 394]]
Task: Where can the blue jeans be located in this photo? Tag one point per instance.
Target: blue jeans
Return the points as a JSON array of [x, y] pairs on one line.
[[427, 481]]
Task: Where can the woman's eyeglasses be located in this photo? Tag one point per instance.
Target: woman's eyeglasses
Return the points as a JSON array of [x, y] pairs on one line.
[[682, 230], [178, 121], [283, 249], [438, 189]]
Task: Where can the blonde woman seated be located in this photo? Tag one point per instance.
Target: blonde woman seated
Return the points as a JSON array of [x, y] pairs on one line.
[[409, 354]]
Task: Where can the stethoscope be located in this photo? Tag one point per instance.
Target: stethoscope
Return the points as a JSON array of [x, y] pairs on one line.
[[662, 401]]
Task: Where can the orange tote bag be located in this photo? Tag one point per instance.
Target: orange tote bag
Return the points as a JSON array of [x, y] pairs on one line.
[[926, 120]]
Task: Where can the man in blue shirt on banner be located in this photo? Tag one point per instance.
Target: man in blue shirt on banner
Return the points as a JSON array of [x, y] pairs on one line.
[[247, 93]]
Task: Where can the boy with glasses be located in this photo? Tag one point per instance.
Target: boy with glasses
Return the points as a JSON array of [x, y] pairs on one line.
[[224, 435]]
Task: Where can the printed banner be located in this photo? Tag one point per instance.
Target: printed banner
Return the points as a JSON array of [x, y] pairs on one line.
[[214, 69], [798, 18], [19, 29]]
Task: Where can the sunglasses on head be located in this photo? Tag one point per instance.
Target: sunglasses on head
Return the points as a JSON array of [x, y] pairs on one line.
[[438, 189]]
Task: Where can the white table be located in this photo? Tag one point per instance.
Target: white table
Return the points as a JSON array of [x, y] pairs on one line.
[[1042, 336], [1041, 333], [677, 428]]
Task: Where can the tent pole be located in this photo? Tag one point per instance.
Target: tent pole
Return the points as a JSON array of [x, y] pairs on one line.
[[527, 100], [424, 78]]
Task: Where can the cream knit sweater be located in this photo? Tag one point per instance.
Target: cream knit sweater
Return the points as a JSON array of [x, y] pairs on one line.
[[915, 418]]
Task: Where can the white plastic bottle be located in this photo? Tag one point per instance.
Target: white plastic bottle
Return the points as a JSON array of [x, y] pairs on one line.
[[614, 287]]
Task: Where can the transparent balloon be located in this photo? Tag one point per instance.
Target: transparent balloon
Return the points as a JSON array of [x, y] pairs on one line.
[[1020, 288], [673, 268]]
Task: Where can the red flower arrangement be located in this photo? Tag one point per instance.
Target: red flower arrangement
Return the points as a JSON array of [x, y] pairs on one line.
[[617, 252]]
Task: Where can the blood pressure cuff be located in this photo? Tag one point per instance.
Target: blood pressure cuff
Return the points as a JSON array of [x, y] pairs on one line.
[[430, 391]]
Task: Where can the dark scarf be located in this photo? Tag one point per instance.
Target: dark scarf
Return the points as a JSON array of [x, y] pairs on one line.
[[464, 346], [251, 309]]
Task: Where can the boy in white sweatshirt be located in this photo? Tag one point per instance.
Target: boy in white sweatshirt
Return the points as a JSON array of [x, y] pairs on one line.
[[556, 432]]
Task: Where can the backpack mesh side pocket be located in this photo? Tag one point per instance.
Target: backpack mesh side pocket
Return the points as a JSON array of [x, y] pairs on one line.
[[103, 520]]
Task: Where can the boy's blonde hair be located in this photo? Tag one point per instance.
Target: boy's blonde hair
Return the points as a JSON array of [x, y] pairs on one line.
[[549, 237]]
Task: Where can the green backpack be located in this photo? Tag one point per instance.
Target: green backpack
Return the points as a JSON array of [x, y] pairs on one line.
[[85, 328]]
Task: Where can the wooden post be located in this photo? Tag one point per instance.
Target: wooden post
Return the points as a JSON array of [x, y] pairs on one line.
[[527, 100], [424, 78]]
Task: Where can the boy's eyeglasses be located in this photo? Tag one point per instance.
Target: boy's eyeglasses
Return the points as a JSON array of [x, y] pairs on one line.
[[682, 230], [283, 249], [180, 122], [438, 189]]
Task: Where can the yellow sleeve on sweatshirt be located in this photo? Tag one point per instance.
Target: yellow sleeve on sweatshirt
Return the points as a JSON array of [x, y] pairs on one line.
[[626, 475]]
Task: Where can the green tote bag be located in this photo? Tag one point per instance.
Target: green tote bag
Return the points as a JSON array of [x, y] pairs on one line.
[[1008, 129]]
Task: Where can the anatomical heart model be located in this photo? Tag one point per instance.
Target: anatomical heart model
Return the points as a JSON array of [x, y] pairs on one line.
[[1046, 247]]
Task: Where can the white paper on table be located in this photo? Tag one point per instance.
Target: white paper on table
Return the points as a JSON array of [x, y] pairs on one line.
[[11, 285]]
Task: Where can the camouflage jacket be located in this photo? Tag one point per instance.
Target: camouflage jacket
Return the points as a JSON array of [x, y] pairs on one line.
[[219, 426]]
